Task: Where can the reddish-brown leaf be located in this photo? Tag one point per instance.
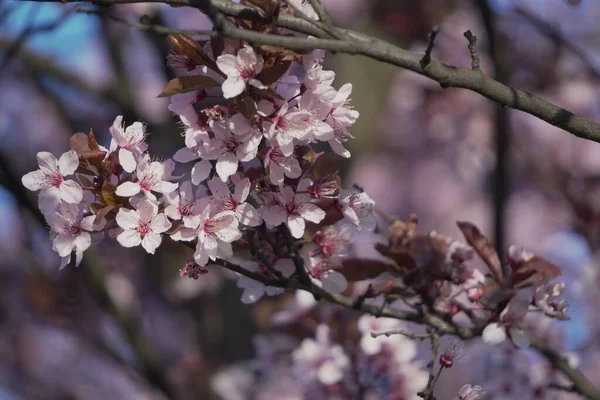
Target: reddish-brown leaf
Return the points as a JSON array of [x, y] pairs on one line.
[[359, 269], [533, 271], [274, 69], [87, 147], [188, 47], [483, 247], [185, 84]]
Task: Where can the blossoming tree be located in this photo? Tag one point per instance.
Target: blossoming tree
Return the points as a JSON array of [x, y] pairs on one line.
[[264, 199]]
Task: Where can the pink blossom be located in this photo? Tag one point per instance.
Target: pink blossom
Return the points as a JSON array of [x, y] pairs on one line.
[[317, 80], [223, 200], [150, 178], [470, 392], [317, 112], [240, 70], [238, 143], [254, 290], [280, 165], [184, 205], [287, 126], [70, 231], [293, 209], [321, 270], [129, 141], [340, 118], [50, 179], [358, 207], [215, 233], [142, 226], [201, 169], [546, 298], [511, 319], [320, 360]]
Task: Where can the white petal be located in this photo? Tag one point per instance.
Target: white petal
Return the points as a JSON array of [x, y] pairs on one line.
[[493, 334], [311, 212], [184, 234], [48, 200], [151, 241], [228, 64], [242, 189], [253, 294], [71, 192], [227, 165], [128, 189], [339, 148], [129, 238], [274, 215], [201, 171], [164, 187], [127, 160], [47, 161], [185, 155], [285, 266], [160, 223], [334, 282], [63, 245], [68, 163], [248, 215], [127, 219], [329, 373], [35, 180], [82, 241], [296, 225], [218, 187], [147, 210], [233, 86], [519, 338]]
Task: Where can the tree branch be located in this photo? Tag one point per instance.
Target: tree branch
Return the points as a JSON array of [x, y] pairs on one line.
[[357, 43]]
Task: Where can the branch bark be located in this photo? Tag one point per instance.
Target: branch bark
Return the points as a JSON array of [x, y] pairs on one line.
[[360, 44]]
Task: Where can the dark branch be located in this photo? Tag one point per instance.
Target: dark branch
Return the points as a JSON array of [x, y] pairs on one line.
[[473, 50], [427, 57]]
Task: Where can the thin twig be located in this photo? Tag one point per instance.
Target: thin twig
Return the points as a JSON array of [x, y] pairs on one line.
[[430, 44], [473, 50], [419, 336]]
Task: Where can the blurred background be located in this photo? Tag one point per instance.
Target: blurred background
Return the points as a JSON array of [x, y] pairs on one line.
[[126, 325]]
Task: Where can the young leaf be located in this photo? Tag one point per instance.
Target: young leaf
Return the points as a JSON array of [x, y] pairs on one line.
[[484, 248], [185, 84]]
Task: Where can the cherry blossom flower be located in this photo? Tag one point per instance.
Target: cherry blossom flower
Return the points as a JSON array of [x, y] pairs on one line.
[[70, 231], [50, 179], [451, 353], [545, 297], [317, 80], [293, 209], [321, 270], [150, 178], [289, 126], [142, 226], [280, 165], [129, 141], [254, 290], [340, 118], [511, 319], [470, 392], [317, 111], [240, 70], [201, 169], [183, 204], [233, 147], [320, 360], [223, 200], [358, 207], [215, 233]]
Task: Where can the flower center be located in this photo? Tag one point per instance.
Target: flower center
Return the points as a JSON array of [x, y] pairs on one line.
[[143, 229], [55, 179], [185, 208], [230, 145], [247, 73], [281, 123], [229, 204], [74, 229]]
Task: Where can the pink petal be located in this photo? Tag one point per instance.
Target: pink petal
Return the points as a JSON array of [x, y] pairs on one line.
[[71, 192], [248, 215], [127, 219], [228, 64], [274, 215], [201, 171], [227, 165], [68, 163], [160, 224], [35, 180], [233, 86], [296, 225], [129, 238], [127, 160], [151, 241], [128, 189]]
